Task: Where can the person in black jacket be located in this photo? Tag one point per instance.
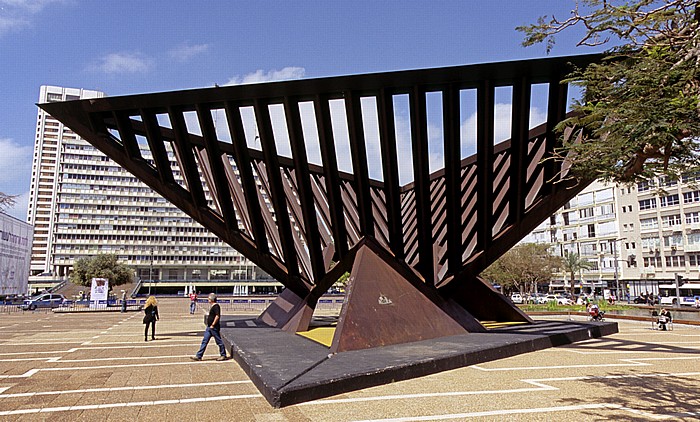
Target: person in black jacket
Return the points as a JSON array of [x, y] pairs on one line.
[[151, 311], [213, 327]]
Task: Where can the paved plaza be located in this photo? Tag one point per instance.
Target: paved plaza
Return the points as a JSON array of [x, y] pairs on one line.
[[96, 366]]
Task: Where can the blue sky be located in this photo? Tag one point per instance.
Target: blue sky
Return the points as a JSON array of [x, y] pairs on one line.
[[126, 47]]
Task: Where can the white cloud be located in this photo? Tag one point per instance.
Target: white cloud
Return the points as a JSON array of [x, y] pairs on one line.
[[16, 165], [123, 63], [260, 75], [15, 162], [17, 14], [186, 51]]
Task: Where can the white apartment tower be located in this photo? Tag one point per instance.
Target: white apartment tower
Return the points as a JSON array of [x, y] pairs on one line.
[[82, 204], [636, 235]]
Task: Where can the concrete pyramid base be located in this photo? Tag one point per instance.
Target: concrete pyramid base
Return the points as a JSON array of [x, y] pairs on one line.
[[289, 368]]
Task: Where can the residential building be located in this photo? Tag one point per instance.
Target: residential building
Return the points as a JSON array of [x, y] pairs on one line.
[[634, 236], [82, 204]]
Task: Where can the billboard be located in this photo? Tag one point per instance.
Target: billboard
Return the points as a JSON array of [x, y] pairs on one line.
[[98, 292], [15, 254]]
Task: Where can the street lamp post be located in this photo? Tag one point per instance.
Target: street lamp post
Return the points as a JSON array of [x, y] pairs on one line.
[[150, 274], [617, 278]]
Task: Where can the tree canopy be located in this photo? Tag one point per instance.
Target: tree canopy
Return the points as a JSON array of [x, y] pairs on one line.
[[101, 266], [640, 108], [523, 267]]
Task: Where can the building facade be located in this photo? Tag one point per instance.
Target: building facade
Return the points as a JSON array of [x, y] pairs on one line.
[[15, 252], [634, 237], [83, 204]]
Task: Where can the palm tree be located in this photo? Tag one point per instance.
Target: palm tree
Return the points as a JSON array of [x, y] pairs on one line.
[[573, 263]]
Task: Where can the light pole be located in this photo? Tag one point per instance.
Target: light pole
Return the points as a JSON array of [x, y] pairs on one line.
[[616, 275], [150, 274], [617, 279]]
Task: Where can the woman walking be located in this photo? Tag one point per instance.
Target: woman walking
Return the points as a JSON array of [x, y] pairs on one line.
[[151, 311]]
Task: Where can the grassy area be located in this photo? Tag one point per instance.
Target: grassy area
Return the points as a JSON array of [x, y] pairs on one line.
[[552, 306]]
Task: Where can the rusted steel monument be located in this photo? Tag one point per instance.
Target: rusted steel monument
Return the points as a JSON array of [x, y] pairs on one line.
[[413, 251]]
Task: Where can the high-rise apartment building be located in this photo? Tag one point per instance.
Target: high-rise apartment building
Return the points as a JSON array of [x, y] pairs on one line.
[[82, 204], [633, 236]]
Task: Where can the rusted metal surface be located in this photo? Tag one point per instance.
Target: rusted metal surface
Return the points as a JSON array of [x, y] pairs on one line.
[[285, 213]]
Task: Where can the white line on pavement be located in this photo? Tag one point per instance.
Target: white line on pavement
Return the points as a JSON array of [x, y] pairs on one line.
[[74, 349], [540, 383], [127, 404], [108, 389], [31, 372], [521, 412]]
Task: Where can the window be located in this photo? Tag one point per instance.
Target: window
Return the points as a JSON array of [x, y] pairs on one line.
[[692, 217], [591, 230], [668, 181], [649, 223], [586, 213], [53, 97], [647, 204], [606, 210], [644, 186], [652, 261], [675, 261], [604, 195], [691, 196], [694, 238], [669, 200], [651, 243], [566, 218], [673, 240], [671, 220], [588, 248], [691, 177], [694, 259]]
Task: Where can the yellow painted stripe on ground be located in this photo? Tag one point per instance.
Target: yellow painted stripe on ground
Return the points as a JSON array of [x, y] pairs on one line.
[[500, 324], [322, 335]]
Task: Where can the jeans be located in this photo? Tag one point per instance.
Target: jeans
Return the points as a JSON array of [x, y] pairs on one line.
[[208, 334], [193, 306]]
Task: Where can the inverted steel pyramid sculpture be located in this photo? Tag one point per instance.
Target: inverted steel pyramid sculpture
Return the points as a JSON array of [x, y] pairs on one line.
[[237, 160]]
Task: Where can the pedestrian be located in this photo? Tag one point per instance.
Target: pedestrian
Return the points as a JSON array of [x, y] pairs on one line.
[[193, 302], [664, 318], [123, 301], [213, 328], [151, 311]]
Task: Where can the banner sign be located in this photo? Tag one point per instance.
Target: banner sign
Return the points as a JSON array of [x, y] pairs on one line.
[[98, 291]]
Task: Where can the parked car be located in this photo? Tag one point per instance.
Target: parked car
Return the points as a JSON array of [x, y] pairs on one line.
[[560, 300], [46, 300], [516, 298], [537, 298]]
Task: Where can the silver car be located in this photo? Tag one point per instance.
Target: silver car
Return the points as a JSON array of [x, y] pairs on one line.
[[46, 300]]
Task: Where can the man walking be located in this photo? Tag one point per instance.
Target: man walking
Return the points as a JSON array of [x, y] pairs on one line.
[[213, 327], [193, 302]]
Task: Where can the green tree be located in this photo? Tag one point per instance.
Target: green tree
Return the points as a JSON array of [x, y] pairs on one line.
[[101, 266], [640, 107], [573, 263], [523, 267]]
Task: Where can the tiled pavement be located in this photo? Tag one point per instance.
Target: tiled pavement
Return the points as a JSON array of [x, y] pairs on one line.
[[97, 367]]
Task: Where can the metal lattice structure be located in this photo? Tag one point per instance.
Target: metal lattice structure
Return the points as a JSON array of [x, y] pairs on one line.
[[304, 223]]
